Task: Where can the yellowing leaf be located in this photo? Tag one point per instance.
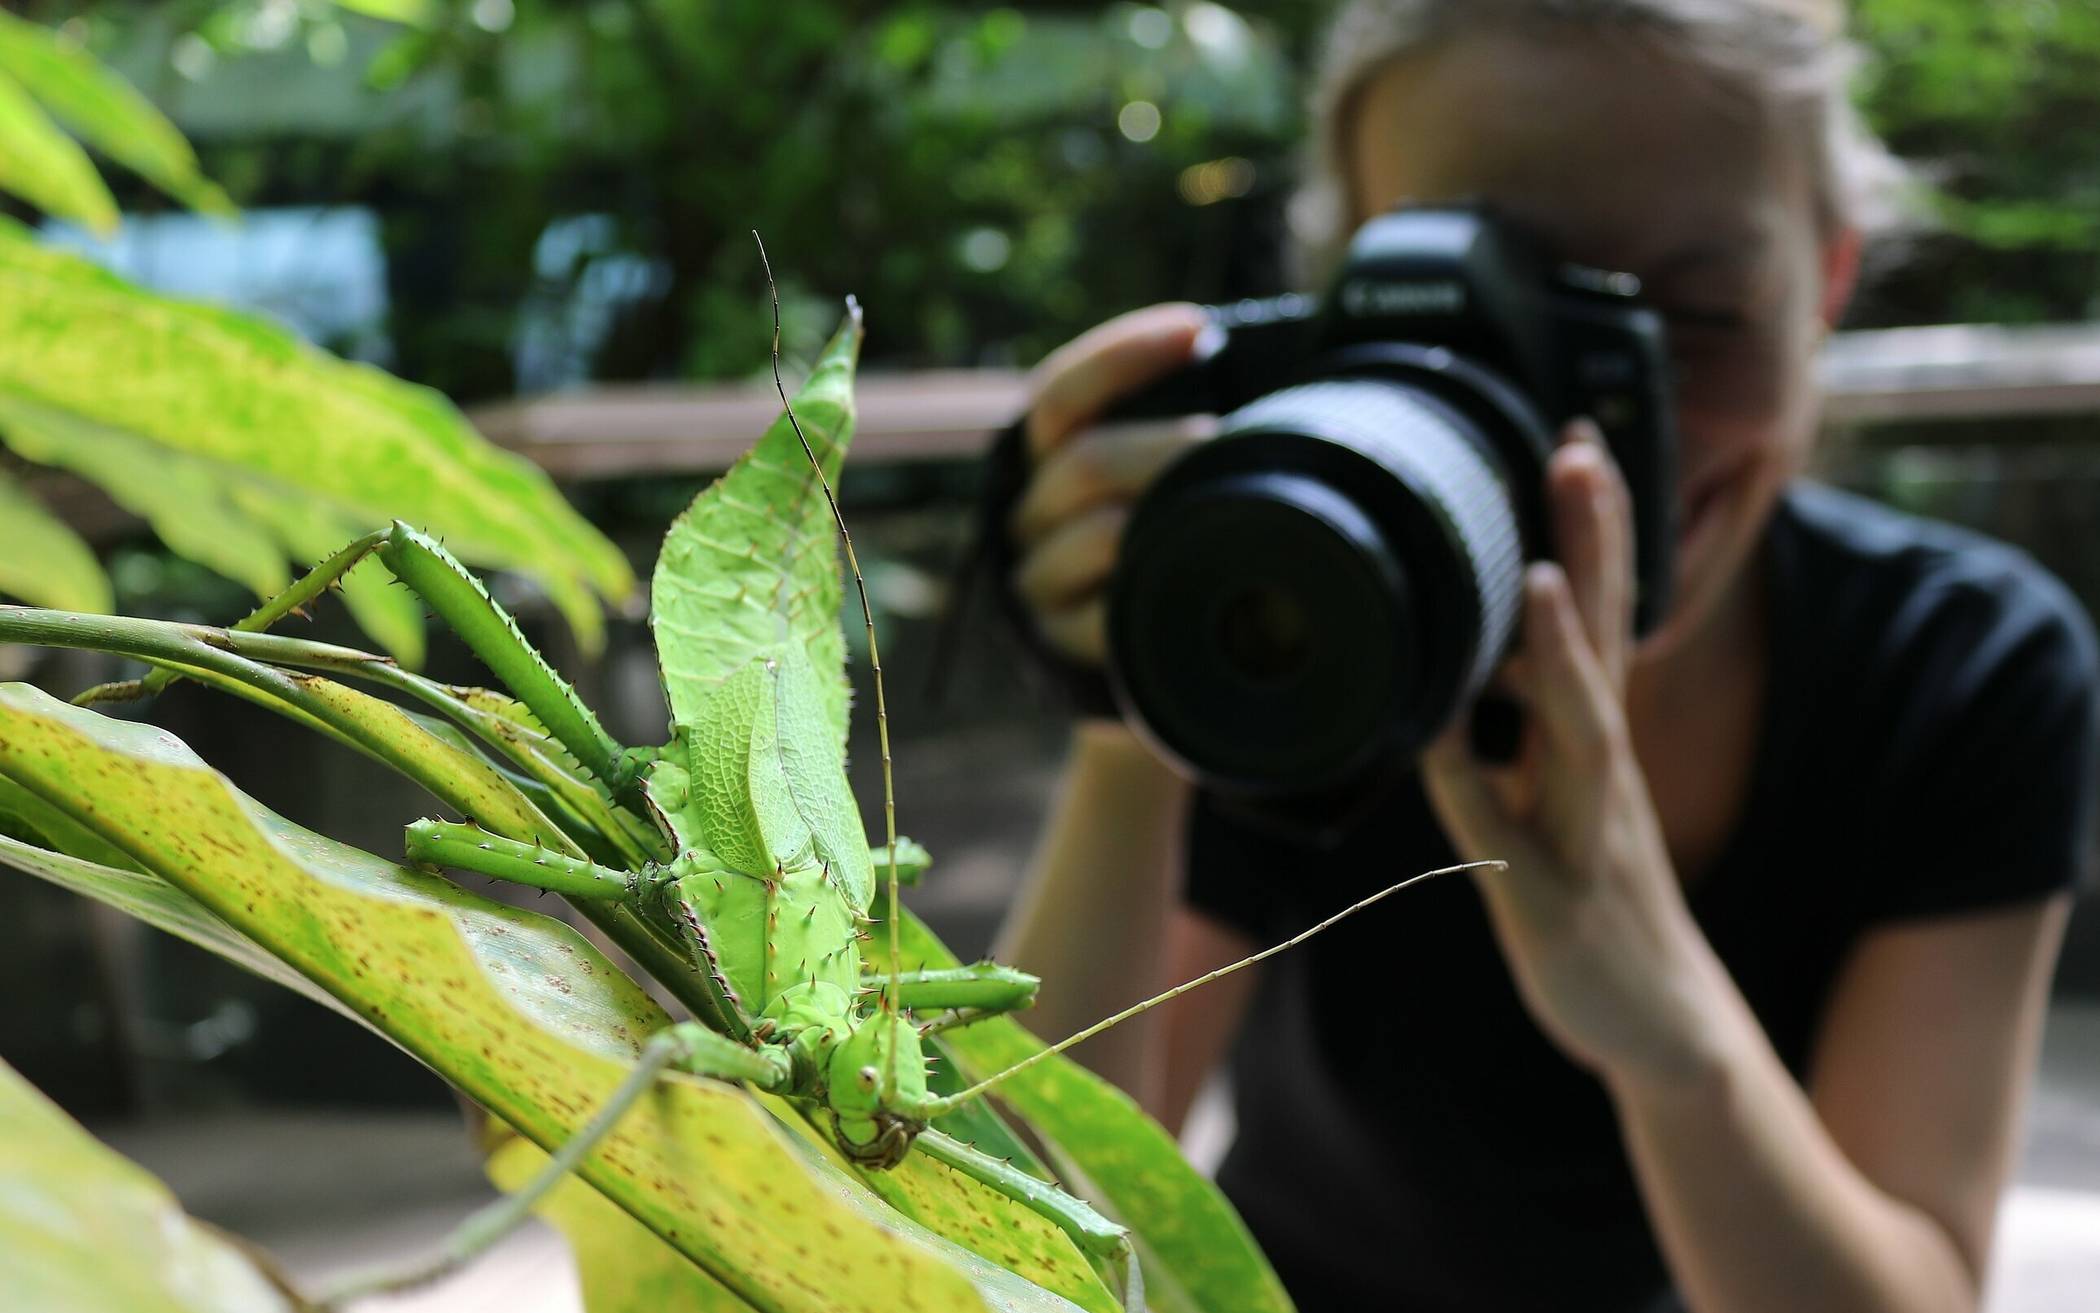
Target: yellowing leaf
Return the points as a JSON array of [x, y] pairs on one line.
[[44, 562], [519, 1012], [246, 399], [45, 167], [105, 111], [622, 1266], [84, 1230], [184, 501]]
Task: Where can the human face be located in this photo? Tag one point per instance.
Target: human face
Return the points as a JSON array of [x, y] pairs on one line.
[[1622, 159]]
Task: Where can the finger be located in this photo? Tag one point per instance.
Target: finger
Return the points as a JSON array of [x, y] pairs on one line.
[[1592, 530], [1080, 632], [1082, 378], [1110, 463], [1471, 803], [1458, 788], [1565, 684], [1071, 561]]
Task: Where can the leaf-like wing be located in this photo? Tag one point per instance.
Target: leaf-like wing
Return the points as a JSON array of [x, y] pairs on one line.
[[768, 779], [753, 562], [248, 402], [47, 168], [44, 562], [519, 1012], [86, 1230], [105, 111]]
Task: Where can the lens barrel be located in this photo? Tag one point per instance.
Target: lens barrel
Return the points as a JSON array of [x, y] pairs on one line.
[[1320, 587]]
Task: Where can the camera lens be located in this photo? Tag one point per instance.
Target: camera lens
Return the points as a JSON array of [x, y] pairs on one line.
[[1320, 586], [1263, 635]]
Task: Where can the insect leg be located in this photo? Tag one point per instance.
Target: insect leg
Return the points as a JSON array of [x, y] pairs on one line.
[[981, 986], [1092, 1232], [471, 848], [687, 1046], [464, 604]]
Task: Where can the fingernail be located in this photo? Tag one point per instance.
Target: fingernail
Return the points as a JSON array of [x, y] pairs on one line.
[[1541, 578], [1583, 429]]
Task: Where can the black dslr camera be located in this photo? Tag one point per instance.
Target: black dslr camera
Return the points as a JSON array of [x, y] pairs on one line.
[[1300, 605]]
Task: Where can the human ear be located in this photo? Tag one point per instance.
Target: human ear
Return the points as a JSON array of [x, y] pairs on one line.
[[1840, 273]]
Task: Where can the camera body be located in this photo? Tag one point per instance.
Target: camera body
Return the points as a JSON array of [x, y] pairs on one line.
[[1301, 604]]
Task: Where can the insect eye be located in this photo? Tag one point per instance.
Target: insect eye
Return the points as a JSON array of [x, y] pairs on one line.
[[867, 1077]]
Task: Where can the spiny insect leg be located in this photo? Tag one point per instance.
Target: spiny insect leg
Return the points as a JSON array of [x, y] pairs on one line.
[[460, 600], [982, 986], [687, 1046], [470, 848], [1092, 1232]]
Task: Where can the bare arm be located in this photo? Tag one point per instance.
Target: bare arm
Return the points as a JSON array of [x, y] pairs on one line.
[[1873, 1193], [1877, 1189], [1101, 920], [1092, 916]]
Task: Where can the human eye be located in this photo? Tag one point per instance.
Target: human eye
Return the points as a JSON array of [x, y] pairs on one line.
[[1697, 331]]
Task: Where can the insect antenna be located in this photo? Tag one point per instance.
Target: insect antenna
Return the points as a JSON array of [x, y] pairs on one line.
[[867, 615], [940, 1106]]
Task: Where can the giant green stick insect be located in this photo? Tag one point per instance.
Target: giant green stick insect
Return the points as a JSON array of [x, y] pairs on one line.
[[730, 862]]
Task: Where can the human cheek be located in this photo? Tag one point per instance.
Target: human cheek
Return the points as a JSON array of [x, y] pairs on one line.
[[1739, 442]]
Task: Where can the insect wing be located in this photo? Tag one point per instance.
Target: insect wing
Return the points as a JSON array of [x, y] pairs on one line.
[[753, 564]]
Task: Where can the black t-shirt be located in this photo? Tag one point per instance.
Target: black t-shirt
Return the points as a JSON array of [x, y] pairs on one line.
[[1409, 1140]]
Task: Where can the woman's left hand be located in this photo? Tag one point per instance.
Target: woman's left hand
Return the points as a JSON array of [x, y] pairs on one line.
[[1589, 913]]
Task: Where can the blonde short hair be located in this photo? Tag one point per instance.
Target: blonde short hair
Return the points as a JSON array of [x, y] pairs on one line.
[[1793, 55]]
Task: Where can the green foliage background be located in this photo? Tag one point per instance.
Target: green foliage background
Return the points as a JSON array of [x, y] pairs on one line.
[[961, 169]]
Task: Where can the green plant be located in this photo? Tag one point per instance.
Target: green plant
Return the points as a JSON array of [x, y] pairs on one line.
[[240, 445], [533, 1024]]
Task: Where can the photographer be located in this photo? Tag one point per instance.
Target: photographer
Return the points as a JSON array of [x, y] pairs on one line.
[[1751, 1012]]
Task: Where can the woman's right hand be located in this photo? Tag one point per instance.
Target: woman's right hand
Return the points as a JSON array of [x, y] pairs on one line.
[[1085, 476]]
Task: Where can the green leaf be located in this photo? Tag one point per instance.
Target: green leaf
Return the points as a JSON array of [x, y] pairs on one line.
[[45, 562], [85, 1230], [45, 167], [1186, 1229], [751, 563], [249, 402], [106, 112], [28, 817], [415, 13], [519, 1012]]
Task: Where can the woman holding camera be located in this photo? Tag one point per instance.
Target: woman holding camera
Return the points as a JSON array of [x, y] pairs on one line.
[[1750, 1014]]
